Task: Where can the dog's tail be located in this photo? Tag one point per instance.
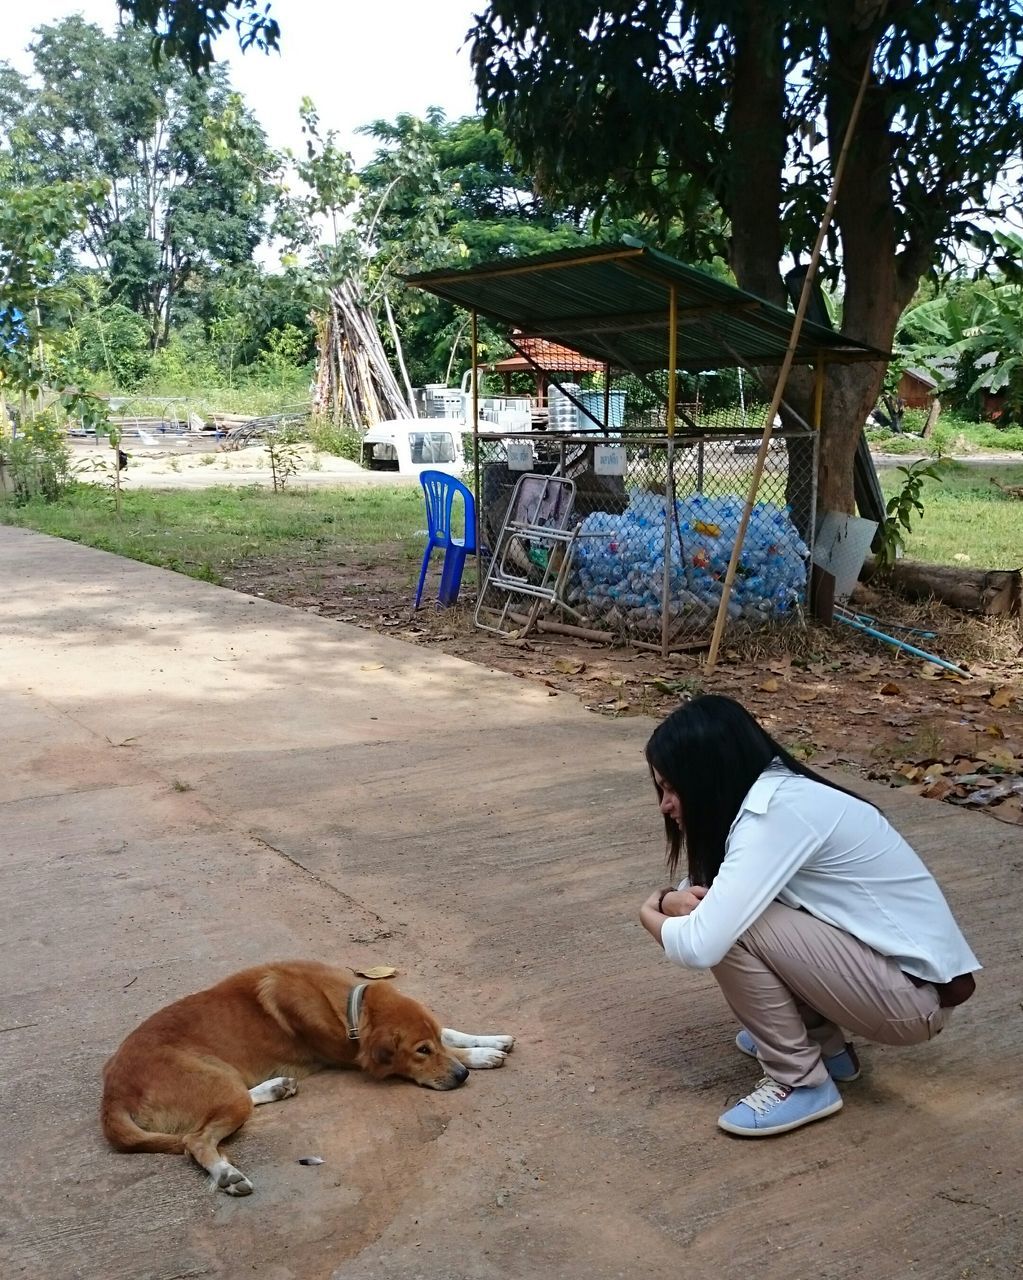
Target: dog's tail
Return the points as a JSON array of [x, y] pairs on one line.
[[125, 1135]]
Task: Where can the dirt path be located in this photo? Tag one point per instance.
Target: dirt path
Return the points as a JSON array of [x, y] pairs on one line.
[[832, 696]]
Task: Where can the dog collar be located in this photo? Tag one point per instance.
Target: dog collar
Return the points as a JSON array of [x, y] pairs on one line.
[[354, 1009]]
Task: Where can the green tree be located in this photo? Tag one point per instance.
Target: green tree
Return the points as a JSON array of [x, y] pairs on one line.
[[186, 171], [747, 102], [444, 191], [36, 221], [185, 29]]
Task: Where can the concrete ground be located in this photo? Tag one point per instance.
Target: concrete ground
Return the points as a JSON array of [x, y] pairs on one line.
[[195, 780]]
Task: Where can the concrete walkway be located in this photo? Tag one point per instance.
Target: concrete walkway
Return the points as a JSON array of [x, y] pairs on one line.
[[195, 780]]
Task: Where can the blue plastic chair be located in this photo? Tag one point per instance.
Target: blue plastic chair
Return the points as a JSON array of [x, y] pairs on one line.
[[440, 489]]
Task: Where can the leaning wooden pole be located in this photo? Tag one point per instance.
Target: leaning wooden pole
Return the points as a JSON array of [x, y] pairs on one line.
[[786, 366]]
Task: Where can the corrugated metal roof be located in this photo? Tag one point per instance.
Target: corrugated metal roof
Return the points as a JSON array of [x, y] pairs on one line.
[[611, 303], [548, 355]]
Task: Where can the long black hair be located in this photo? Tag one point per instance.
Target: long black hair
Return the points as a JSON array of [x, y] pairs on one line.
[[710, 751]]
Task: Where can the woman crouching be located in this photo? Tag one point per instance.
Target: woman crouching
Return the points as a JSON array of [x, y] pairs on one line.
[[814, 915]]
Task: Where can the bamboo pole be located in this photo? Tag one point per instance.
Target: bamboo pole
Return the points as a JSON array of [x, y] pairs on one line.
[[400, 356], [783, 373]]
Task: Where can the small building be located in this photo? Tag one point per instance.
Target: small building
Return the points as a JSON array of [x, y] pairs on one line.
[[917, 388], [549, 356]]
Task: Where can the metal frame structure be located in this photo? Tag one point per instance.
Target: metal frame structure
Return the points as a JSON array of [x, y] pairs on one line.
[[637, 310]]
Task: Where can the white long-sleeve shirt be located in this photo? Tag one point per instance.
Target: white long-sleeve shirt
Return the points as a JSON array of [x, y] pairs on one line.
[[808, 845]]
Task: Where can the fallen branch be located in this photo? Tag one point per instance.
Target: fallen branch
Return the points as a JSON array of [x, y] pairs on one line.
[[992, 592]]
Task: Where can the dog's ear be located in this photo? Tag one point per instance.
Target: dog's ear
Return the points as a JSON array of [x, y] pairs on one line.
[[381, 1047]]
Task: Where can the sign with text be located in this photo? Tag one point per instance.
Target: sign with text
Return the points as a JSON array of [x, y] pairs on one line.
[[609, 460], [520, 455]]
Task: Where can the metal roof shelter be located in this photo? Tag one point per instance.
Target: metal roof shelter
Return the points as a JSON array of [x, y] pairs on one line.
[[638, 309]]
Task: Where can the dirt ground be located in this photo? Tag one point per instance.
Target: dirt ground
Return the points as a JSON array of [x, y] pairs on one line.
[[831, 695]]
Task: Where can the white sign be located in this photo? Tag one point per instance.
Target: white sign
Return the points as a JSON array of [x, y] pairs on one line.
[[609, 460], [520, 455]]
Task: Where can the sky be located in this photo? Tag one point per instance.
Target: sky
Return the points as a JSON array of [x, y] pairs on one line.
[[358, 62]]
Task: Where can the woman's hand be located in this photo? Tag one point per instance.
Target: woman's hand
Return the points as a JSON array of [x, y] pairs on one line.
[[673, 902], [681, 901]]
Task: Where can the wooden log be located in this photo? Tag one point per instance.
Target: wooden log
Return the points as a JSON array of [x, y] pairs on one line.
[[932, 418], [992, 592]]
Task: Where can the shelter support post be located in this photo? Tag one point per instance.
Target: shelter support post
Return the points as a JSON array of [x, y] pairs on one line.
[[475, 383], [669, 475], [818, 395], [672, 356], [607, 396], [669, 510]]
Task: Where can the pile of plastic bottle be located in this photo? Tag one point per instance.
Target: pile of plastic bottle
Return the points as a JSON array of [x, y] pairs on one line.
[[618, 570]]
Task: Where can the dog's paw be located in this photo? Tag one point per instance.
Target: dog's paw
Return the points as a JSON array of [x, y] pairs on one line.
[[273, 1090], [465, 1040], [479, 1059], [227, 1178]]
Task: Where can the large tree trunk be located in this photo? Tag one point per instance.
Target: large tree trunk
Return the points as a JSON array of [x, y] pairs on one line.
[[879, 282], [750, 190]]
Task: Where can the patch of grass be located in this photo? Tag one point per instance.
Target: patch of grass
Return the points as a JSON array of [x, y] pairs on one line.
[[204, 533], [967, 520], [176, 403], [951, 434], [342, 442]]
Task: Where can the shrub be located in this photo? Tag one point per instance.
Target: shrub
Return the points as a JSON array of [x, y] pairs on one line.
[[37, 462], [342, 442]]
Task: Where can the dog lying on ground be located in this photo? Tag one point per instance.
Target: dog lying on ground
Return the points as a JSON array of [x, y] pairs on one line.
[[190, 1075]]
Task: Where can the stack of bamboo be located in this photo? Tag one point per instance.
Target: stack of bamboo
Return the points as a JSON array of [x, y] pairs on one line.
[[354, 381]]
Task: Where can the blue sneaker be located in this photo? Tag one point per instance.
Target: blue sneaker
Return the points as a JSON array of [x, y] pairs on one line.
[[843, 1067], [776, 1108]]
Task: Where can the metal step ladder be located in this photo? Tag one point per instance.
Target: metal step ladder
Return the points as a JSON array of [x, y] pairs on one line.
[[532, 558]]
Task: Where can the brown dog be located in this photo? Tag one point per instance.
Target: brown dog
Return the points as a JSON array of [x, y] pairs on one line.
[[190, 1075]]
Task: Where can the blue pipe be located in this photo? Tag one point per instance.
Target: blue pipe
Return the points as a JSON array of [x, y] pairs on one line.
[[901, 644], [909, 631]]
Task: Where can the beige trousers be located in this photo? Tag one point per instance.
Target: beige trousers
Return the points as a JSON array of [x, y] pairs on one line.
[[795, 982]]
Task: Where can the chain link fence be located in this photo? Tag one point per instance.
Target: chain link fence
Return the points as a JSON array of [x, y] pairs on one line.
[[657, 519]]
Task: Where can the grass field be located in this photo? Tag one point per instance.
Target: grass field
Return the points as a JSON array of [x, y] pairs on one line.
[[966, 520], [204, 533]]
